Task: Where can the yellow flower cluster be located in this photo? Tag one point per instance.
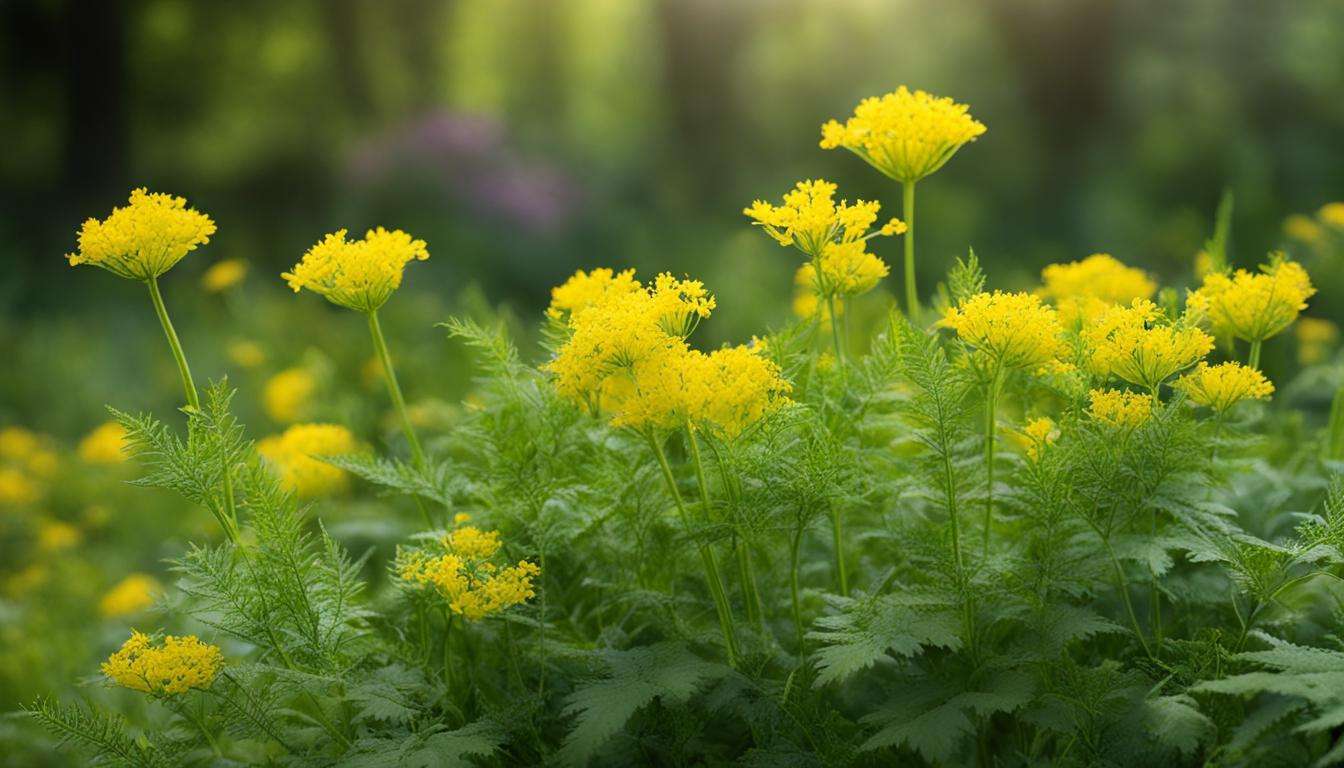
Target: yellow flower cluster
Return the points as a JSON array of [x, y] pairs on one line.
[[626, 354], [1119, 409], [1035, 435], [358, 275], [1132, 344], [906, 135], [1254, 306], [56, 535], [174, 667], [584, 289], [291, 456], [132, 594], [1332, 214], [1222, 386], [223, 275], [463, 574], [1015, 330], [1082, 290], [105, 444], [1315, 338], [26, 463], [834, 236], [287, 396], [144, 239], [245, 353]]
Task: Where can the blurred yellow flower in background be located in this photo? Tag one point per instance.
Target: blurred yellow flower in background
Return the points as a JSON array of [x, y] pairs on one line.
[[292, 453], [245, 353], [1082, 290], [287, 396], [56, 535], [17, 443], [132, 594], [1316, 337], [106, 444], [1332, 214], [1303, 228], [223, 275], [16, 489], [360, 274], [1034, 436], [144, 239]]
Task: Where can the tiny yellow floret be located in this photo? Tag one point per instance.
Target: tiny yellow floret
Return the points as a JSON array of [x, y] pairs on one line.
[[1082, 290], [144, 239], [1014, 330], [287, 396], [463, 574]]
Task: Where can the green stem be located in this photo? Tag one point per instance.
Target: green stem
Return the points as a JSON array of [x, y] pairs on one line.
[[835, 332], [908, 211], [1122, 584], [1253, 360], [199, 722], [711, 566], [991, 403], [750, 594], [838, 534], [793, 586], [188, 385], [448, 649], [394, 391]]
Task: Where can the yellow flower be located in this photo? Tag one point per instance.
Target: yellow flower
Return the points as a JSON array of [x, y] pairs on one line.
[[905, 135], [1222, 386], [17, 443], [463, 574], [807, 297], [106, 444], [16, 489], [132, 594], [1254, 307], [1315, 337], [223, 275], [43, 463], [245, 353], [287, 396], [1131, 344], [292, 453], [810, 220], [144, 239], [1332, 214], [1300, 227], [359, 275], [55, 535], [1035, 435], [849, 269], [173, 667], [1119, 409], [584, 289], [1082, 290], [1015, 330]]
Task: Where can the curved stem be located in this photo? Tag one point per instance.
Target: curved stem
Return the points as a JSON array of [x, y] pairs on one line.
[[394, 389], [793, 585], [711, 566], [188, 385], [1122, 584], [841, 576], [908, 211]]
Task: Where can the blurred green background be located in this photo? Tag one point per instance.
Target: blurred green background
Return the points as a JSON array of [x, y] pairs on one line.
[[526, 138]]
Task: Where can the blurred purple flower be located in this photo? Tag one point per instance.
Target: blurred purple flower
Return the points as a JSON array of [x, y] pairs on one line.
[[470, 157]]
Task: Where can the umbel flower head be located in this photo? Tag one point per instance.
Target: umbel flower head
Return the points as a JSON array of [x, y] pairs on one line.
[[809, 218], [144, 239], [132, 594], [584, 289], [461, 571], [1082, 290], [906, 135], [1119, 409], [1315, 338], [1014, 330], [1134, 344], [1222, 386], [1254, 306], [1035, 436], [293, 453], [168, 668], [360, 274]]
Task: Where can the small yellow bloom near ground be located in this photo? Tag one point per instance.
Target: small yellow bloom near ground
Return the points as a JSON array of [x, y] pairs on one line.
[[1332, 214], [1316, 337], [1303, 228], [132, 594], [245, 353], [1222, 386], [223, 275], [1137, 345], [463, 574], [1254, 306], [1119, 409], [170, 668], [906, 134], [1014, 330], [16, 489], [17, 443], [56, 535], [361, 274], [1082, 290], [105, 444], [1035, 436], [144, 239], [287, 396], [291, 456]]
